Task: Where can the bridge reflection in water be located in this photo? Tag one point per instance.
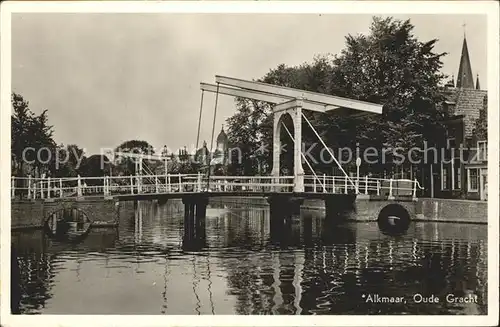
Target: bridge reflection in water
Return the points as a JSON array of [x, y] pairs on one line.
[[150, 266]]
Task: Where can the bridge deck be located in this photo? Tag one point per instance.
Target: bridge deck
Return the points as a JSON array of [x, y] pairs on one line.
[[308, 195], [178, 186]]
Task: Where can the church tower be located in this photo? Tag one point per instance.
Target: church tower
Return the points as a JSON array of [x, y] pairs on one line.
[[221, 144], [465, 79]]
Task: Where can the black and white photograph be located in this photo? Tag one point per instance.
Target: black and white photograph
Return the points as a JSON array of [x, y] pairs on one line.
[[191, 160]]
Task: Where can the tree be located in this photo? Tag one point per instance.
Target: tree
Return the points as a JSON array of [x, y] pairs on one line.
[[29, 135], [71, 159], [126, 165], [388, 66], [246, 130], [96, 165]]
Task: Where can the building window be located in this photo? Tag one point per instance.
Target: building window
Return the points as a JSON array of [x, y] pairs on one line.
[[458, 175], [482, 150], [444, 177], [473, 179], [450, 143]]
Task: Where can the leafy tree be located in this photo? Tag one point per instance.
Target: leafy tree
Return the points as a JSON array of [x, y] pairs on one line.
[[389, 66], [126, 165], [30, 131], [185, 163], [246, 131], [69, 162], [96, 166]]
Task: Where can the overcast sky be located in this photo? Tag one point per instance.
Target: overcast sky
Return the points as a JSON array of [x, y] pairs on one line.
[[108, 78]]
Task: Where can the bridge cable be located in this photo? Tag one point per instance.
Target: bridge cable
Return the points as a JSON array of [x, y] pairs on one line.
[[331, 154], [305, 159], [149, 173], [212, 139], [199, 121]]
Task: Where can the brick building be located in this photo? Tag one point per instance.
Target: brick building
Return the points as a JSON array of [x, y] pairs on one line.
[[463, 172]]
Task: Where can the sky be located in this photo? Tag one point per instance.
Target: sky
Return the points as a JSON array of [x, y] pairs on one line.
[[106, 78]]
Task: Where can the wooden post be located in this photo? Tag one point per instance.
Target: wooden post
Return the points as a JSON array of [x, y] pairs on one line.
[[79, 189], [378, 187], [33, 186], [60, 188], [48, 187], [415, 190], [131, 184], [140, 175], [156, 184], [391, 197], [345, 184], [29, 186], [12, 187], [180, 183], [366, 184], [432, 181], [41, 186], [199, 182], [314, 184], [333, 184]]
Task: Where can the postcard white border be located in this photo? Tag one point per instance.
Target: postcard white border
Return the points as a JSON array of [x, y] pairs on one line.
[[488, 8]]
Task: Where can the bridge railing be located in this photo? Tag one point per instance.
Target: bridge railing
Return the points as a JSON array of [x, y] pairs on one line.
[[47, 187], [69, 187], [364, 185]]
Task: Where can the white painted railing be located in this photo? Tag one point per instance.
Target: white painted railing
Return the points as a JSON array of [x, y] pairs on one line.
[[47, 188], [72, 187], [365, 185]]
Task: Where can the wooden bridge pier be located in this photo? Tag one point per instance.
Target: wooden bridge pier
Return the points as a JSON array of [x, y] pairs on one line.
[[195, 212], [282, 208], [307, 228], [338, 207]]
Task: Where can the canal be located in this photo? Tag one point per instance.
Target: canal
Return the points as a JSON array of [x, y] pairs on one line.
[[144, 267]]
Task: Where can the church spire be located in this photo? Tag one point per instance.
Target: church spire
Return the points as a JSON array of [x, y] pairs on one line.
[[464, 78], [478, 87]]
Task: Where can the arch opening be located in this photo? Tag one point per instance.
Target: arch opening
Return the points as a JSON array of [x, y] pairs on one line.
[[393, 219], [67, 224]]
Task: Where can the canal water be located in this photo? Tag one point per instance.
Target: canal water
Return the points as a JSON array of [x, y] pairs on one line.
[[144, 267]]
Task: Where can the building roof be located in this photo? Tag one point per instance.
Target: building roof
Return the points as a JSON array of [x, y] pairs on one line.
[[465, 79], [466, 102]]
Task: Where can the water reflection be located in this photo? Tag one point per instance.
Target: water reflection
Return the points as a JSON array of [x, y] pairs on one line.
[[309, 267]]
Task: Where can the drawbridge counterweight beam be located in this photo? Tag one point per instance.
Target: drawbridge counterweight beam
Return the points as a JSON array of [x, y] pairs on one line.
[[261, 96], [324, 99]]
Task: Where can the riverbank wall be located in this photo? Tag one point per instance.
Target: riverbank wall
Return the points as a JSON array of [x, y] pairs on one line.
[[107, 212], [424, 209], [34, 213]]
